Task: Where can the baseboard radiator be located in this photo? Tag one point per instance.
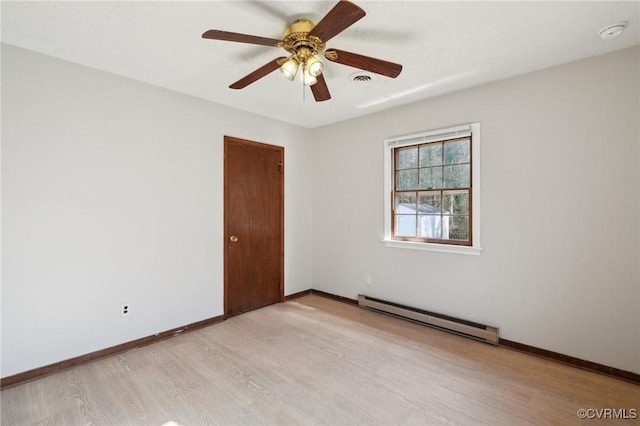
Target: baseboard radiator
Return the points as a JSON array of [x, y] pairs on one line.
[[462, 327]]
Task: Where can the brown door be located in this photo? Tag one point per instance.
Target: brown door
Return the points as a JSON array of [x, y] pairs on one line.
[[254, 225]]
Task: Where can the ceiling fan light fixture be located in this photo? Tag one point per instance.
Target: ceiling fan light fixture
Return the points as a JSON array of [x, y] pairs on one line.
[[314, 66], [289, 68], [305, 43], [307, 78]]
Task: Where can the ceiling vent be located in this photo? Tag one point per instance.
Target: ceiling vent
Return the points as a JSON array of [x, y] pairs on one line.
[[360, 77]]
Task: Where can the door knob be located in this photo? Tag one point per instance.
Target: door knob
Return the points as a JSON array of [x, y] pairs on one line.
[[233, 239]]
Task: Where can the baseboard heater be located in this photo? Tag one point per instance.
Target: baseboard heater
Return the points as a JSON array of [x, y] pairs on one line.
[[462, 327]]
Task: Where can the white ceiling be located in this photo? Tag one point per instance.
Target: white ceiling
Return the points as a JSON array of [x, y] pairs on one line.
[[443, 46]]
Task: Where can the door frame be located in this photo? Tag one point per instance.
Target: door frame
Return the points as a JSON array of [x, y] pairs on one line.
[[227, 235]]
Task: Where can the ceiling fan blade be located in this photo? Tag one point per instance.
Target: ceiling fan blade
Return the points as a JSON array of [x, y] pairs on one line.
[[257, 74], [366, 63], [342, 16], [242, 38], [320, 89]]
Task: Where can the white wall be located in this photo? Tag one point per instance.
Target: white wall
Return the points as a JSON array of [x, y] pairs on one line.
[[112, 192], [560, 208]]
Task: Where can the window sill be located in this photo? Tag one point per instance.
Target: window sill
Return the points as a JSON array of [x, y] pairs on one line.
[[442, 248]]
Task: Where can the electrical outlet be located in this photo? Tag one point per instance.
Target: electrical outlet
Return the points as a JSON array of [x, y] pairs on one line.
[[124, 309], [367, 280]]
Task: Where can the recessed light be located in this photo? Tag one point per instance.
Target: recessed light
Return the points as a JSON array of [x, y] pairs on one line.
[[613, 31]]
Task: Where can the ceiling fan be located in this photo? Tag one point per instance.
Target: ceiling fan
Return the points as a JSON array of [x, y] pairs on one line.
[[305, 42]]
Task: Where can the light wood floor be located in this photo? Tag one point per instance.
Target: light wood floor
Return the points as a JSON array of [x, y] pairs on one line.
[[317, 361]]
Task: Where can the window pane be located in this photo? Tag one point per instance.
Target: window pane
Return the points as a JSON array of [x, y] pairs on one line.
[[431, 154], [405, 225], [405, 203], [456, 152], [430, 202], [458, 227], [429, 226], [407, 179], [456, 202], [407, 157], [428, 195], [457, 176], [430, 178]]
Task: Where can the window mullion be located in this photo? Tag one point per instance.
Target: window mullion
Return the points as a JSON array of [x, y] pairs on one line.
[[449, 221]]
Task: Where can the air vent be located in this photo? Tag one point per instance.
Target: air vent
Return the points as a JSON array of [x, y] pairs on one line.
[[360, 77]]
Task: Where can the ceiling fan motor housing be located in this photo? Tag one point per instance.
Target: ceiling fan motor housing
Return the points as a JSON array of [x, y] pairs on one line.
[[296, 39]]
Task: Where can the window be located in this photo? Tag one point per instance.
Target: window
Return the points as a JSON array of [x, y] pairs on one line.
[[432, 199]]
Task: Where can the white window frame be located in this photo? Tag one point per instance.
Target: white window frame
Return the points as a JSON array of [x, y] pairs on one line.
[[473, 130]]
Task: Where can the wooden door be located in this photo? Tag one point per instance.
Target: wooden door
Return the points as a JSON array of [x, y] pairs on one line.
[[254, 225]]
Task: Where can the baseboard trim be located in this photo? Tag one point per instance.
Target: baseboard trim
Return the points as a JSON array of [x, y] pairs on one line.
[[582, 364], [320, 293], [36, 373], [39, 372], [335, 297], [297, 295]]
